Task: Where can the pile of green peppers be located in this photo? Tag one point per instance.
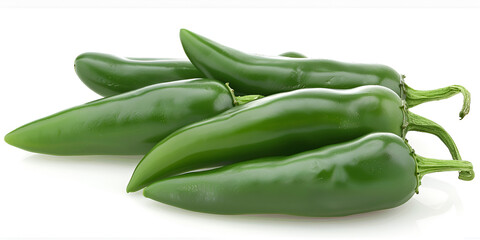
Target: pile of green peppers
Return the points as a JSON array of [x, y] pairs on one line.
[[277, 135]]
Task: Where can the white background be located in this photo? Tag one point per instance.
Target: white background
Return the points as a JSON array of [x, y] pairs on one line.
[[84, 197]]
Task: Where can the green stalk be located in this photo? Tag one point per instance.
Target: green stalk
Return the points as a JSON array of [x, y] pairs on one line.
[[415, 97], [418, 123], [421, 124], [247, 98], [240, 100], [429, 165]]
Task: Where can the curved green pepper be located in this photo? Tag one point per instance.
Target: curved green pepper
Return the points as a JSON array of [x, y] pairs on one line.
[[377, 171], [250, 74], [109, 75], [129, 123], [282, 125]]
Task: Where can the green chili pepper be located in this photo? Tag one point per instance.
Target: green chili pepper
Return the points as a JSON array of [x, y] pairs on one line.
[[129, 123], [261, 75], [109, 75], [377, 171], [282, 125]]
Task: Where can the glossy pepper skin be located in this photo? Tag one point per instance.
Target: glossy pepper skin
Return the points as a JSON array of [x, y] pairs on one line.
[[375, 172], [129, 123], [109, 75], [250, 74], [282, 125]]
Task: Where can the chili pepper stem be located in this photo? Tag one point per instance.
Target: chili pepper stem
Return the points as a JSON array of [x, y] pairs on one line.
[[235, 103], [422, 124], [246, 99], [240, 100], [429, 165], [415, 97]]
